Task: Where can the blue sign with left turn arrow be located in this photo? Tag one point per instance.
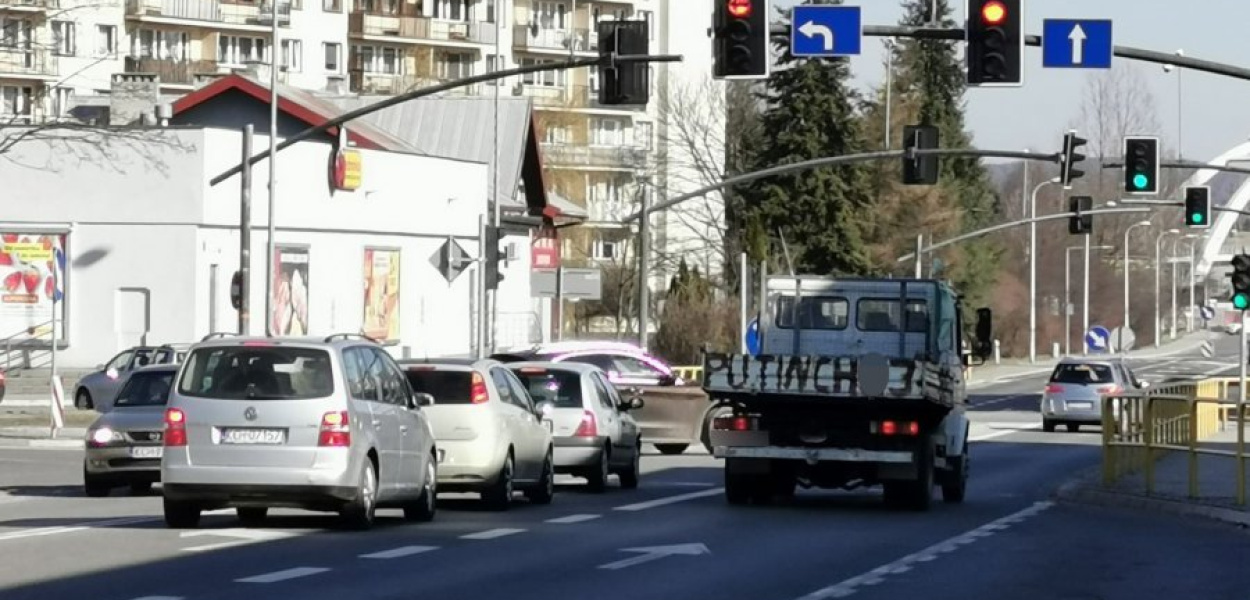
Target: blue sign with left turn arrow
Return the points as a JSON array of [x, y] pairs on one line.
[[818, 30], [1076, 44]]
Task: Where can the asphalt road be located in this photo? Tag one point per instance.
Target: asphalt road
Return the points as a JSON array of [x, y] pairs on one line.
[[1007, 539]]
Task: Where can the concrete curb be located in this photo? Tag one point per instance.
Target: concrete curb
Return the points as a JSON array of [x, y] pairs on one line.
[[1083, 491], [38, 437]]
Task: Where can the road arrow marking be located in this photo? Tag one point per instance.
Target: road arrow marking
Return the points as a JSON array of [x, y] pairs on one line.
[[651, 553], [811, 29], [241, 537], [1078, 44]]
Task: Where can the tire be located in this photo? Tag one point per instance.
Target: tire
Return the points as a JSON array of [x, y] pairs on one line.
[[359, 513], [631, 474], [1074, 427], [499, 495], [1048, 426], [597, 477], [783, 484], [671, 449], [426, 506], [252, 516], [545, 491], [956, 486], [82, 400], [95, 486], [919, 493], [181, 515], [140, 488]]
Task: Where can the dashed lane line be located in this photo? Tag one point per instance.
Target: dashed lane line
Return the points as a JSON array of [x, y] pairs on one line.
[[670, 500], [491, 534], [45, 531], [849, 586], [399, 552], [159, 598], [573, 519], [283, 575]]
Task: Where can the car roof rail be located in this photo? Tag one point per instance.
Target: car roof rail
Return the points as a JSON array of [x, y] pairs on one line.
[[218, 334], [347, 336]]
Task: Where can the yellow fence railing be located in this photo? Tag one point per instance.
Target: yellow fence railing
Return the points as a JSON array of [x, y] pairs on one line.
[[1140, 428], [692, 375]]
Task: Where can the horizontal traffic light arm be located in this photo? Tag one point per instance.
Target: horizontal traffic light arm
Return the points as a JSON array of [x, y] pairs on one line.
[[352, 115], [829, 161], [957, 34], [1001, 226]]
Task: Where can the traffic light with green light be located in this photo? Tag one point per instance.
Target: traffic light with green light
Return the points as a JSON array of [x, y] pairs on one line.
[[1198, 207], [1241, 281], [1141, 165]]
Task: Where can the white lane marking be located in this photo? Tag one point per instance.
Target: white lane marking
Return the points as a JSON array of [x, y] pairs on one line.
[[242, 537], [670, 500], [999, 400], [42, 531], [491, 534], [160, 598], [998, 434], [848, 587], [683, 483], [400, 552], [573, 519], [284, 575]]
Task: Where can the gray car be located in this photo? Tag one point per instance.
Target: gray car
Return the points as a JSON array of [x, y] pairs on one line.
[[594, 434], [1073, 395], [323, 424], [124, 445], [96, 390]]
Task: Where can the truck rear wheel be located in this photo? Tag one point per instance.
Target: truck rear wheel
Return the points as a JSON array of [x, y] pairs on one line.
[[956, 484], [738, 488], [918, 493]]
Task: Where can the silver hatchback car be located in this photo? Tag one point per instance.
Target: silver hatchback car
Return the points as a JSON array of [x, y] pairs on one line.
[[124, 445], [324, 424], [1073, 396]]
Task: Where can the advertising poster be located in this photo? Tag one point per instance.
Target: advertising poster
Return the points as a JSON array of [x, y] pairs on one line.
[[26, 284], [382, 294], [290, 288]]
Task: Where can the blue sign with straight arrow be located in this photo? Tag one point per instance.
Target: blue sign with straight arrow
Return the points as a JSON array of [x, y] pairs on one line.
[[1076, 44]]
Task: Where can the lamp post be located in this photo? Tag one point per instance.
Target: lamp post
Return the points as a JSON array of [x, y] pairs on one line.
[[1176, 260], [1158, 266], [1067, 292], [1125, 325], [1033, 269]]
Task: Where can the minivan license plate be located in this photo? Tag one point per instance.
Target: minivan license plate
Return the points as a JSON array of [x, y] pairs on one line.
[[252, 436]]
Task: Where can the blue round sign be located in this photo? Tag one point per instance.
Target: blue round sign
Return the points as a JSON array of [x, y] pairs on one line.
[[753, 337]]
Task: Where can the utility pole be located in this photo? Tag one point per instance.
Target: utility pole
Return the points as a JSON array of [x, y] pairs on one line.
[[274, 49], [245, 233], [644, 261]]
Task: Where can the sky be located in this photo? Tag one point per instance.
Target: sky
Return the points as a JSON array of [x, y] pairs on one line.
[[1214, 110]]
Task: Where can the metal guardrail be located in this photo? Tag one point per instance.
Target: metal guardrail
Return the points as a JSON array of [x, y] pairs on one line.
[[27, 347], [692, 375], [1139, 429]]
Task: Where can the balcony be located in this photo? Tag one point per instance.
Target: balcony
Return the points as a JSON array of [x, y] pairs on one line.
[[173, 72], [29, 5], [210, 11], [569, 97], [553, 40], [37, 63], [609, 157], [365, 82], [361, 23]]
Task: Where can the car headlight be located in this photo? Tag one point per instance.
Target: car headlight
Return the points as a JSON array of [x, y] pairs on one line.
[[103, 436]]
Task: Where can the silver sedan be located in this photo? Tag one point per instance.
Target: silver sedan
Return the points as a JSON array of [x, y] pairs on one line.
[[124, 446]]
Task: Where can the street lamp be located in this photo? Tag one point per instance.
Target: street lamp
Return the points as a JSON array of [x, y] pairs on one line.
[[1176, 260], [1067, 287], [1033, 268], [1158, 266], [1125, 325]]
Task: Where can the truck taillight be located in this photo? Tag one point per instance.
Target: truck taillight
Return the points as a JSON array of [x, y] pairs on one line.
[[588, 427], [895, 428], [336, 431], [735, 423], [175, 427]]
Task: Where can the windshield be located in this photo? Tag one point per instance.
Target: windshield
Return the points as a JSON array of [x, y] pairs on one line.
[[1082, 374], [447, 387], [562, 388], [257, 373], [146, 389]]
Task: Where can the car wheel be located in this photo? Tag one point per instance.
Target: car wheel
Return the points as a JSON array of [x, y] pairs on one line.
[[631, 475], [671, 449], [1048, 426], [597, 477], [359, 513], [545, 491], [181, 514], [252, 516], [94, 485], [499, 495], [82, 400], [426, 506]]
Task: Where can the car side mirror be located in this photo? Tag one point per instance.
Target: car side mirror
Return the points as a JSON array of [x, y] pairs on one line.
[[423, 399], [984, 333], [1143, 384], [545, 408], [111, 373]]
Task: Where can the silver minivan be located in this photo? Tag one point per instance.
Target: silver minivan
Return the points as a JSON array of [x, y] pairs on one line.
[[324, 424]]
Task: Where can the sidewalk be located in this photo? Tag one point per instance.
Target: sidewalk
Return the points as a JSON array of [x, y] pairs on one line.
[[1021, 367], [29, 424], [1217, 485]]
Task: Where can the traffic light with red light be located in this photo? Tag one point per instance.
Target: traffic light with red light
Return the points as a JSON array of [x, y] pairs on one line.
[[740, 48], [995, 38]]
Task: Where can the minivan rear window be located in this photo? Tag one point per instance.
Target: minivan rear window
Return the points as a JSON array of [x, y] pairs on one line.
[[257, 373], [1082, 374], [447, 387], [145, 388], [562, 388]]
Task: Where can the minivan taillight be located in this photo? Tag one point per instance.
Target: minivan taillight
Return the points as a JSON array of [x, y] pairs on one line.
[[478, 393], [1054, 388], [175, 427], [588, 427], [335, 430]]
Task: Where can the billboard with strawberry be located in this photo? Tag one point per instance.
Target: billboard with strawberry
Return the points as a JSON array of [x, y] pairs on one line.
[[27, 284]]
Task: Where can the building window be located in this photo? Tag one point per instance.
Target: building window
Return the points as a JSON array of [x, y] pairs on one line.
[[332, 5], [544, 78], [165, 45], [550, 15], [334, 56], [64, 42], [292, 55], [607, 132], [602, 249], [378, 60], [493, 63], [105, 40], [238, 50], [643, 135], [455, 66], [556, 134], [16, 103], [62, 100], [452, 10], [16, 33]]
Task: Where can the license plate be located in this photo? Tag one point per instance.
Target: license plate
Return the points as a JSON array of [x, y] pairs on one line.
[[1082, 405], [147, 452], [253, 436]]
